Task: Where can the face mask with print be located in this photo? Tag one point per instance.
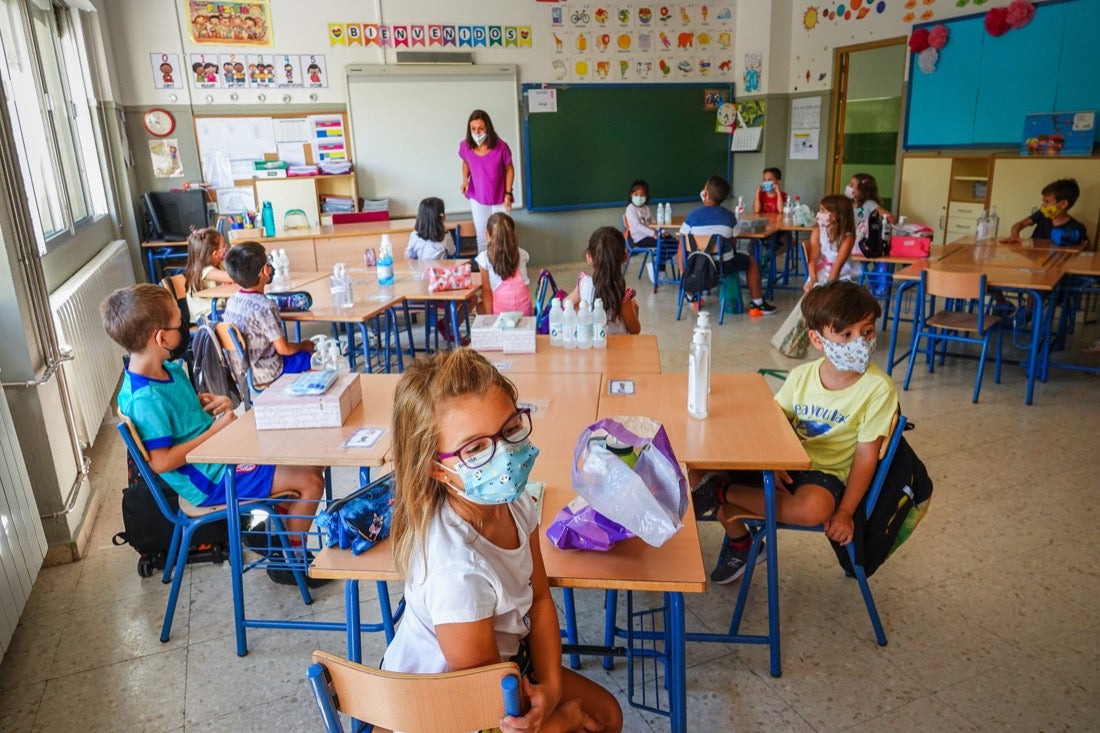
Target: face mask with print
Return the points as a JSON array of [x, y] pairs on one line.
[[503, 479], [767, 186], [479, 137], [1050, 211], [637, 200], [853, 356], [823, 218], [850, 192]]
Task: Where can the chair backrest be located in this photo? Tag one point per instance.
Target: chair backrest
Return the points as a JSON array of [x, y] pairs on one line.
[[176, 285], [137, 451], [355, 217], [233, 346], [451, 702], [885, 456], [626, 232], [953, 284], [462, 231]]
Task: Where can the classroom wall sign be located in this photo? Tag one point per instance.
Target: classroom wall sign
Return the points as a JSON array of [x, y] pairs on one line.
[[429, 34], [167, 73], [629, 42], [257, 71], [230, 23]]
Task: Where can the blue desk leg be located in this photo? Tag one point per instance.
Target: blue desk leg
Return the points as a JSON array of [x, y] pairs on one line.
[[773, 571], [236, 561], [571, 625], [383, 589], [351, 616], [452, 308], [150, 264], [1038, 339], [677, 663], [917, 314]]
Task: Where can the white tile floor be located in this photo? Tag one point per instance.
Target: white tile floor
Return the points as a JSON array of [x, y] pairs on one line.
[[991, 609]]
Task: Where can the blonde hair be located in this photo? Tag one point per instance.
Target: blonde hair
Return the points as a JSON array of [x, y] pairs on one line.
[[425, 389], [503, 252], [201, 246]]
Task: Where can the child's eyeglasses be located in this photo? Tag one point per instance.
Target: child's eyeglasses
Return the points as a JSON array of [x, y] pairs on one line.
[[479, 451]]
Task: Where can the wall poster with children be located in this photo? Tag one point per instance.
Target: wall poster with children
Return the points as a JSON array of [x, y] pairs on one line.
[[166, 74], [1069, 133], [230, 23]]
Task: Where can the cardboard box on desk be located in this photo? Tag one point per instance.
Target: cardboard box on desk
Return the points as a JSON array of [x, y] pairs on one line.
[[275, 409], [486, 335]]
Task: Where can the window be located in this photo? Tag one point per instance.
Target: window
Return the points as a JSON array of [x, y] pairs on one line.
[[45, 70]]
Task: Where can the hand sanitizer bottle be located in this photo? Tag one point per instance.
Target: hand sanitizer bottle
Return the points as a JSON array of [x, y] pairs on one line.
[[555, 321], [385, 261], [584, 326], [336, 285], [740, 210], [568, 325], [703, 324], [599, 325], [788, 210], [697, 376], [320, 351], [668, 213], [993, 223]]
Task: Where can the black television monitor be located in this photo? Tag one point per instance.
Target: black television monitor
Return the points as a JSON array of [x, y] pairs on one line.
[[173, 214]]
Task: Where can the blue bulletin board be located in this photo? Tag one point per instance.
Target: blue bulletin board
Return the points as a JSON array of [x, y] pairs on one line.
[[984, 87]]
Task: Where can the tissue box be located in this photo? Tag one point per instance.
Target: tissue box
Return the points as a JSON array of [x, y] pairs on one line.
[[487, 335], [275, 409], [753, 225], [484, 334], [906, 246]]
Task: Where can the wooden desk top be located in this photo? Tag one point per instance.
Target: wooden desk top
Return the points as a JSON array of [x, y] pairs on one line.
[[152, 244], [1008, 256], [390, 226], [1023, 243], [298, 281], [744, 429], [935, 252], [1029, 278], [623, 357], [241, 442], [1082, 263], [365, 307]]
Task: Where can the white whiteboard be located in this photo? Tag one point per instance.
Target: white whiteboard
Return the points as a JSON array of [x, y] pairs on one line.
[[406, 123]]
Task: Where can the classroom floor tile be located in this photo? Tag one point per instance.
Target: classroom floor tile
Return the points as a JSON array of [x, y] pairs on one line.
[[990, 609]]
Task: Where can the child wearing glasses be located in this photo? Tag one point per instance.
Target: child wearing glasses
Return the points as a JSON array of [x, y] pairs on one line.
[[465, 535], [257, 317]]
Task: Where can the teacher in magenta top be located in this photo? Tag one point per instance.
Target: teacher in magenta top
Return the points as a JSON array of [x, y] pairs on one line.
[[487, 173]]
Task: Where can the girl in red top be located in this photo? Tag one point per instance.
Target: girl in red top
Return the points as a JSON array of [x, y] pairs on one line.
[[769, 194]]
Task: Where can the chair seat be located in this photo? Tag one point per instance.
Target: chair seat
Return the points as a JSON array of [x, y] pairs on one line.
[[192, 511], [957, 321]]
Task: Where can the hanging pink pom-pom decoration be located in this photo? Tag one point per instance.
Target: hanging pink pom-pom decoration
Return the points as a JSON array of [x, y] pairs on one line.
[[996, 21], [1020, 13], [919, 40], [927, 59], [937, 37]]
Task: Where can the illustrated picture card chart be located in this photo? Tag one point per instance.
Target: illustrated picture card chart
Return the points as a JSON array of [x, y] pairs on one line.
[[254, 70], [641, 41]]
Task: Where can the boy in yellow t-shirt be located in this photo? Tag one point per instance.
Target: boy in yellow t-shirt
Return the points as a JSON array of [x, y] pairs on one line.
[[841, 406]]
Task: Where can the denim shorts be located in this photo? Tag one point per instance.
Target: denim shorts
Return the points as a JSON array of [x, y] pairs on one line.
[[252, 482]]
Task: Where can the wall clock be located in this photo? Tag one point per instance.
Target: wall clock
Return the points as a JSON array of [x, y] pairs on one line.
[[159, 122]]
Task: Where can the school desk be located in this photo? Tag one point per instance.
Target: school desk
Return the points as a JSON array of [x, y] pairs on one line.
[[744, 430], [1030, 271], [298, 280], [158, 252], [565, 405], [413, 288], [240, 442], [624, 356], [1082, 271], [870, 277], [664, 255]]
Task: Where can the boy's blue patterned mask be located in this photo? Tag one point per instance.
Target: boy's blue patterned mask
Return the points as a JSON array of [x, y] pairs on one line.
[[503, 479]]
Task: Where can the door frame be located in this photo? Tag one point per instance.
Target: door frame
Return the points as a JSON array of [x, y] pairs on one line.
[[839, 102]]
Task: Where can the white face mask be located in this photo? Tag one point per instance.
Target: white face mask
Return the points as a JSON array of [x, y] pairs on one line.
[[637, 200], [703, 196], [850, 192], [479, 137], [853, 356], [823, 218]]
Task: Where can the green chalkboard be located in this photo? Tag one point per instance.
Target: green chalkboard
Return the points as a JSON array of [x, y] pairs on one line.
[[603, 136]]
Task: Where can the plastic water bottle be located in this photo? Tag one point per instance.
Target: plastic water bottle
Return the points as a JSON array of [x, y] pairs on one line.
[[568, 325], [702, 323], [668, 213], [385, 261], [660, 213], [339, 361], [267, 218], [697, 376], [599, 325], [788, 210], [994, 223], [740, 209], [336, 285], [555, 321], [622, 450], [584, 326]]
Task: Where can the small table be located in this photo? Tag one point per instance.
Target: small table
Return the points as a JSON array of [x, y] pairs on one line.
[[156, 252], [744, 430], [225, 291]]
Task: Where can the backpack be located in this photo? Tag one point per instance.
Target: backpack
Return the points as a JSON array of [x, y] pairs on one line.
[[700, 270], [545, 292], [872, 243], [149, 532], [906, 494], [210, 372]]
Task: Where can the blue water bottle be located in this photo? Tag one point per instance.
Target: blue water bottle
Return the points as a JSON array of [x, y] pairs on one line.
[[268, 219], [509, 686]]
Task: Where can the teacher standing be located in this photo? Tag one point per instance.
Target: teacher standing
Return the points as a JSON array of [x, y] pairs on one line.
[[487, 172]]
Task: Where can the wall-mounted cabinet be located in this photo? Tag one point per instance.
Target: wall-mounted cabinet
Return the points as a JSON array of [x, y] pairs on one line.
[[946, 193], [307, 193]]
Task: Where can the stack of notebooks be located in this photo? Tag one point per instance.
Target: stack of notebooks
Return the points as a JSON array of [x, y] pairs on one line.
[[336, 204]]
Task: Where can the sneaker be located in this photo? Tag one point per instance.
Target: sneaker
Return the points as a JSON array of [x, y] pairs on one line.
[[732, 563], [257, 539], [708, 496], [764, 307], [285, 576]]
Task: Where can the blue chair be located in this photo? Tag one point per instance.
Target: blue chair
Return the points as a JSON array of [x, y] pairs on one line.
[[450, 702], [727, 289], [233, 345], [963, 320], [649, 254], [185, 520]]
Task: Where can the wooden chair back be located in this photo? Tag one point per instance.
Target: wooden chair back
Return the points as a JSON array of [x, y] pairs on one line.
[[451, 702], [176, 285], [954, 284]]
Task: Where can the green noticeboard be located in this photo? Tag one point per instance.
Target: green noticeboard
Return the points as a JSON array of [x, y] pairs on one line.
[[603, 136]]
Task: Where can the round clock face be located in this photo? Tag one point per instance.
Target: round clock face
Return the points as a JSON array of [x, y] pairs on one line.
[[727, 114], [159, 122]]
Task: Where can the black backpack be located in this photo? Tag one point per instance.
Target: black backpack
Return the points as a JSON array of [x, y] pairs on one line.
[[210, 372], [149, 532], [700, 271], [872, 243], [902, 504]]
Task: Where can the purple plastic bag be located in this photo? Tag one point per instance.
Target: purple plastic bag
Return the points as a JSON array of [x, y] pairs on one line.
[[580, 527]]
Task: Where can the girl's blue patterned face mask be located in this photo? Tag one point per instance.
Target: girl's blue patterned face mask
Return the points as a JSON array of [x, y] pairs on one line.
[[503, 479]]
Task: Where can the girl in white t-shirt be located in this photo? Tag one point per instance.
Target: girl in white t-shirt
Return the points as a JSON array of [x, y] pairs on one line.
[[465, 534], [205, 251], [606, 254], [430, 240], [830, 252]]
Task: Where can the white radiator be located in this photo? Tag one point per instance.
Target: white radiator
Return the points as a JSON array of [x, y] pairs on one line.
[[97, 360]]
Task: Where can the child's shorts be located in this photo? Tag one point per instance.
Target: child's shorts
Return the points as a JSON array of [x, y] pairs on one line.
[[827, 481], [252, 482], [296, 363]]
